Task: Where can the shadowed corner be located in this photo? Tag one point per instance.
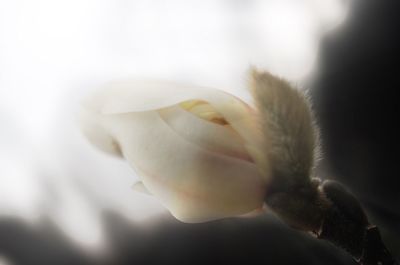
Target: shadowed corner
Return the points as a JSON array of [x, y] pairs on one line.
[[261, 240], [21, 243]]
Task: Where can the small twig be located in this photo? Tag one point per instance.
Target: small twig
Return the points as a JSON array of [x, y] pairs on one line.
[[346, 225], [375, 251]]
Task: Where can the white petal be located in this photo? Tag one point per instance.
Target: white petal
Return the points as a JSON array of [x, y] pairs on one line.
[[139, 187], [141, 95], [195, 184], [91, 125], [138, 96], [213, 137]]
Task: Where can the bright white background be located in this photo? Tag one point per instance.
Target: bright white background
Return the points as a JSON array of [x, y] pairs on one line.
[[53, 52]]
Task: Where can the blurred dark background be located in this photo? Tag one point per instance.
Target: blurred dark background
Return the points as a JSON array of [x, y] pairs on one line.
[[354, 98]]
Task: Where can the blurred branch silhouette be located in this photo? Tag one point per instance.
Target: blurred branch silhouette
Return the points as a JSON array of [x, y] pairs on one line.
[[347, 226]]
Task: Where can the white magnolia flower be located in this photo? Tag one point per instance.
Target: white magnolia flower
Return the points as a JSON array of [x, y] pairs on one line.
[[204, 153]]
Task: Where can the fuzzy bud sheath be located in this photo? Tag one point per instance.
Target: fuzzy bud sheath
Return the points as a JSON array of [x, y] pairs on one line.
[[291, 143]]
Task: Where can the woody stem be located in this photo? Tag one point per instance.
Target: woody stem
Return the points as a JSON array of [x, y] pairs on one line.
[[345, 225]]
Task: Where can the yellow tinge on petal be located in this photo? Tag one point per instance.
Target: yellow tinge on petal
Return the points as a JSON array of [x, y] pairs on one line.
[[204, 110]]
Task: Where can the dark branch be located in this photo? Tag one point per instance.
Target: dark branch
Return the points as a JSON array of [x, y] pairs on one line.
[[346, 225]]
